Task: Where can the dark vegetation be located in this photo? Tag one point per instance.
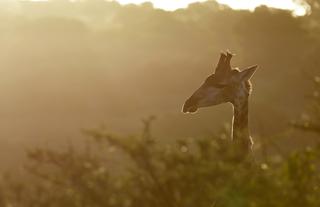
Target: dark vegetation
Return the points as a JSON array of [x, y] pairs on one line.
[[67, 66]]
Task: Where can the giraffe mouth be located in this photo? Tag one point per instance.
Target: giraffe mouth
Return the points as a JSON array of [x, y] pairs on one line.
[[192, 109]]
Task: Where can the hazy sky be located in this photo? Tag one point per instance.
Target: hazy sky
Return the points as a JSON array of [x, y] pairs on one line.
[[236, 4]]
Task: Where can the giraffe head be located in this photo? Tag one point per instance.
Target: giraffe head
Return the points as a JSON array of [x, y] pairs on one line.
[[225, 85]]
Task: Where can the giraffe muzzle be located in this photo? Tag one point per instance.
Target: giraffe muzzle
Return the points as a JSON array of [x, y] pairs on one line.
[[190, 106]]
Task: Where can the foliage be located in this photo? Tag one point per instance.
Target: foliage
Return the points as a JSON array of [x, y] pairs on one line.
[[192, 172], [310, 120]]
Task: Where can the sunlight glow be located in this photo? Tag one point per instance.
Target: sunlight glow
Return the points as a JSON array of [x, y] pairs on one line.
[[163, 4], [298, 9]]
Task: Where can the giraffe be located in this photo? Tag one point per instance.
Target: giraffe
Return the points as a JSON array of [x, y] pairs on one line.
[[227, 85]]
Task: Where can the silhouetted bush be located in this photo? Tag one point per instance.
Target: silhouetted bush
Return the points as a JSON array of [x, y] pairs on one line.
[[191, 172]]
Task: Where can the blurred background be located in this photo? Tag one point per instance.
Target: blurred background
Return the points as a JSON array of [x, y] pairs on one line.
[[72, 65]]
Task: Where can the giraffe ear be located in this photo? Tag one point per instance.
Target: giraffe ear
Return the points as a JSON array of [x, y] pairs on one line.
[[248, 73]]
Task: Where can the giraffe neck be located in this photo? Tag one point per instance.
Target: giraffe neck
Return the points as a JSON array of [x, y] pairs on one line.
[[240, 129]]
